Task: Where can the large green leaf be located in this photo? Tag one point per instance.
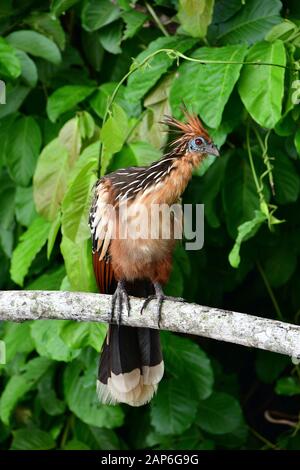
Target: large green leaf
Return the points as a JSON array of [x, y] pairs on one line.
[[20, 384], [48, 25], [113, 135], [15, 95], [7, 206], [35, 44], [219, 414], [17, 339], [76, 204], [30, 243], [25, 210], [174, 408], [29, 70], [46, 337], [212, 83], [134, 20], [22, 153], [81, 396], [239, 193], [32, 439], [79, 335], [9, 62], [97, 14], [140, 82], [53, 169], [195, 16], [185, 359], [253, 20], [65, 98], [261, 87], [78, 262]]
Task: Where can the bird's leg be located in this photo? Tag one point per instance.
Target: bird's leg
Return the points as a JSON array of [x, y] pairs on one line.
[[119, 297], [160, 296]]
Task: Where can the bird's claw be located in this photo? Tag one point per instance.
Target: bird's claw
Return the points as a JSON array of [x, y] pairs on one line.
[[119, 297], [160, 297]]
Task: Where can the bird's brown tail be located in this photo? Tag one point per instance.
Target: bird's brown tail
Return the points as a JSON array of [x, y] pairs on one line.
[[131, 363]]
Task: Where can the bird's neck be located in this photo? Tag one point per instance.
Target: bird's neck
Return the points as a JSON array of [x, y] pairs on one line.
[[176, 178]]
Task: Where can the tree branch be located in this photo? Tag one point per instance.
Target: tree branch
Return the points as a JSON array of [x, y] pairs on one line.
[[222, 325]]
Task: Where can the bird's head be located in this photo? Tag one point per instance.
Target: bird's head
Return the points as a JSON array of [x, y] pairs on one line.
[[193, 137]]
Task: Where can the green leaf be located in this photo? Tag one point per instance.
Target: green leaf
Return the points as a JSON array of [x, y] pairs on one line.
[[143, 79], [9, 62], [240, 199], [79, 335], [99, 100], [32, 439], [195, 16], [174, 408], [134, 20], [286, 178], [245, 231], [219, 414], [110, 37], [30, 243], [7, 206], [86, 125], [113, 135], [15, 95], [81, 397], [25, 210], [212, 83], [53, 232], [17, 339], [251, 23], [97, 14], [48, 25], [60, 6], [48, 343], [35, 44], [23, 151], [78, 262], [51, 176], [97, 438], [264, 101], [28, 67], [65, 98], [288, 386], [50, 280], [76, 204], [20, 384], [47, 396], [184, 358]]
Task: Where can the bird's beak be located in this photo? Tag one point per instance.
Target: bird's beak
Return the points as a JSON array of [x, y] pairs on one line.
[[212, 149]]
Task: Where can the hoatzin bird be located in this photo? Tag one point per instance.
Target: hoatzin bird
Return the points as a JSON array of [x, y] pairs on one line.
[[131, 363]]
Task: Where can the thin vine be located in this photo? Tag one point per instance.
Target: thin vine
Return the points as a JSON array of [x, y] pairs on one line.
[[173, 54]]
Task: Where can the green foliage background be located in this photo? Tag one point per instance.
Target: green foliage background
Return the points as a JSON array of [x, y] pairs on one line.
[[61, 61]]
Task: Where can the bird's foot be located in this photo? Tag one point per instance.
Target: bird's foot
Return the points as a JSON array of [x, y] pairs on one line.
[[160, 297], [119, 297]]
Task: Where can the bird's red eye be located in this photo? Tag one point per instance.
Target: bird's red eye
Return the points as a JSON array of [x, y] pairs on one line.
[[198, 141]]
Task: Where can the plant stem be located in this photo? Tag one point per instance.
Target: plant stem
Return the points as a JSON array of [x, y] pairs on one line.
[[270, 291], [156, 19], [263, 439], [176, 55]]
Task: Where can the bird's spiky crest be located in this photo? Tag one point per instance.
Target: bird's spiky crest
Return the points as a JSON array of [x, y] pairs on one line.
[[191, 128]]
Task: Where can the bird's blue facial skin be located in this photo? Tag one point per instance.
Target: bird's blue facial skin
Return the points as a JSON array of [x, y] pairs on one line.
[[197, 144]]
